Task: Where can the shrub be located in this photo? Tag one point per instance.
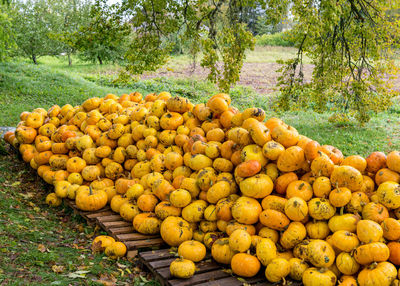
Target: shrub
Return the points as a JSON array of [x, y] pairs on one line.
[[278, 39]]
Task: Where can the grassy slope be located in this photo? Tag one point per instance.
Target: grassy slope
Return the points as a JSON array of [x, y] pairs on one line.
[[24, 86], [43, 246]]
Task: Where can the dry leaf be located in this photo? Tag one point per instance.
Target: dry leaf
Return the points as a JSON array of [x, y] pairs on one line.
[[121, 265], [77, 274], [58, 268], [96, 247], [107, 280], [41, 248]]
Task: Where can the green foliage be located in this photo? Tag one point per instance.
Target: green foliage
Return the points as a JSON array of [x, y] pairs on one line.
[[6, 33], [281, 39], [73, 15], [349, 43], [103, 38], [34, 20], [218, 30], [263, 26]]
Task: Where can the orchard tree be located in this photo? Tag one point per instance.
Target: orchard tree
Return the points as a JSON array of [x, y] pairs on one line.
[[34, 21], [350, 44], [103, 37], [73, 14], [216, 28], [6, 32]]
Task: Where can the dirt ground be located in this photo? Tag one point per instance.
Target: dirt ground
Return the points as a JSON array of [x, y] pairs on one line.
[[260, 76]]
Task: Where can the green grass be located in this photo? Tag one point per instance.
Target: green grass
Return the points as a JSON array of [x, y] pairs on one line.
[[43, 246], [24, 86]]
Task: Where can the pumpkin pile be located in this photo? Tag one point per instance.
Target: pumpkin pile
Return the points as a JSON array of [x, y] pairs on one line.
[[254, 192]]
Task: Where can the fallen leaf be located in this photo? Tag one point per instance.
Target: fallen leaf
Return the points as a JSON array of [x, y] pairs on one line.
[[15, 184], [41, 248], [107, 280], [121, 265], [58, 268], [96, 247], [78, 274]]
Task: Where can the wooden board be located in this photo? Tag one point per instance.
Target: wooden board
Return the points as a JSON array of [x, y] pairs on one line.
[[118, 228], [208, 273]]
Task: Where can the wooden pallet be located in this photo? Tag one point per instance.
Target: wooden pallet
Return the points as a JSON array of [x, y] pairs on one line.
[[209, 272], [120, 229]]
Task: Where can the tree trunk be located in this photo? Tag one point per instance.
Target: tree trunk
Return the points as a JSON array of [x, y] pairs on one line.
[[34, 59], [69, 59], [100, 61]]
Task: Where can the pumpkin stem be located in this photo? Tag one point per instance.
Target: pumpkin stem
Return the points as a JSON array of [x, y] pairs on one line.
[[372, 265], [98, 178], [341, 210], [323, 270], [90, 190]]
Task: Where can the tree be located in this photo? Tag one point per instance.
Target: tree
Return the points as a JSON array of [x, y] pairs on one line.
[[73, 15], [6, 32], [34, 22], [349, 42], [216, 28], [103, 37]]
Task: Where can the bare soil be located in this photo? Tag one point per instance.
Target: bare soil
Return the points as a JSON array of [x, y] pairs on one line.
[[261, 76]]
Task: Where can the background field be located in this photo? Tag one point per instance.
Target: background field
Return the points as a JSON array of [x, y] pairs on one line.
[[24, 86]]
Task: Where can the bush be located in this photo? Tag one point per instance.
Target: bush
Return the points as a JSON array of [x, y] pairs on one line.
[[278, 39]]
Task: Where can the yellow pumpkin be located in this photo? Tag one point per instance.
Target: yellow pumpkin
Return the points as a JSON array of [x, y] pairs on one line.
[[175, 230], [266, 251], [297, 268], [246, 210], [239, 240], [115, 250], [369, 231], [182, 268], [147, 223], [320, 253], [221, 252], [245, 265], [90, 200], [277, 269], [258, 186], [192, 250], [315, 277], [346, 263]]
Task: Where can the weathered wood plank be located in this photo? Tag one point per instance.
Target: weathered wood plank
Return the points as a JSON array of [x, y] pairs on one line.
[[143, 243], [199, 278], [135, 236], [152, 255], [121, 230]]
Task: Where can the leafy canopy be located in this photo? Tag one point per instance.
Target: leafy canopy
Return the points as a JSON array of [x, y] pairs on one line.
[[217, 29], [350, 44], [33, 22], [6, 32], [103, 37]]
